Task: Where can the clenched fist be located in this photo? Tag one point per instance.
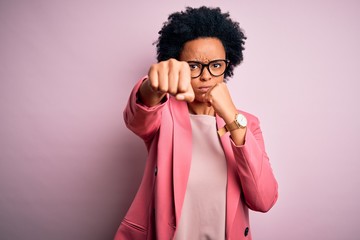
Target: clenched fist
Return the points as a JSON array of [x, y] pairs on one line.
[[170, 76]]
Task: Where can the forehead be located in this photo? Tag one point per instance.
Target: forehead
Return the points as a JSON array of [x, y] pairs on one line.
[[203, 49]]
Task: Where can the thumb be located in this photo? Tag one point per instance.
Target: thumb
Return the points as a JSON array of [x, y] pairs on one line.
[[187, 96]]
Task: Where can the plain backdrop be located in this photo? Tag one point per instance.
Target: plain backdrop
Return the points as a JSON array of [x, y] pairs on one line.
[[69, 168]]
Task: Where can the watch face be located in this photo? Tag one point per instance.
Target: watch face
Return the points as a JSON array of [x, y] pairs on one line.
[[241, 119]]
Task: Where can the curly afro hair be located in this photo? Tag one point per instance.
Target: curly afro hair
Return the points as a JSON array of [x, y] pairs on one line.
[[194, 23]]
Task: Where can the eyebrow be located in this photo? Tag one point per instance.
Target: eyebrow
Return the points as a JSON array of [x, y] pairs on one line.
[[217, 59]]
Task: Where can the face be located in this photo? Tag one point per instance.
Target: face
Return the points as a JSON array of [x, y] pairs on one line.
[[203, 50]]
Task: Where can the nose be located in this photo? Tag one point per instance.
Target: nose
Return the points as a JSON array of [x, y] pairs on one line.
[[205, 75]]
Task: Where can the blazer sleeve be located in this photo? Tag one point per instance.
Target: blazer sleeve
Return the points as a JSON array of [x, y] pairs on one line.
[[142, 120], [258, 182]]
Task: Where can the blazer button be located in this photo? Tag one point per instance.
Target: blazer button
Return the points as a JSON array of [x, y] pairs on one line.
[[246, 232], [155, 171]]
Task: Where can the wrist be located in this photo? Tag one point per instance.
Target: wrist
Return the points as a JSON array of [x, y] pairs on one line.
[[230, 115], [148, 96], [238, 122]]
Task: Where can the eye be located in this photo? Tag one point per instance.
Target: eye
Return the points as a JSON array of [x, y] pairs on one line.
[[194, 66], [215, 65]]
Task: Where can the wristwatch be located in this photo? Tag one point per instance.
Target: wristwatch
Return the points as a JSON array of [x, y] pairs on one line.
[[240, 121]]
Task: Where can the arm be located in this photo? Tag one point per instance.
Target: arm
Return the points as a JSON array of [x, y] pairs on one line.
[[143, 111], [258, 183], [143, 120], [257, 180]]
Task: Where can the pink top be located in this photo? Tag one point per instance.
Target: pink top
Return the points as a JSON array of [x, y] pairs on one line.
[[203, 212]]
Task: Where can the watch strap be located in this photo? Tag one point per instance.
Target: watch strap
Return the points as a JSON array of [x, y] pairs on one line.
[[232, 126], [229, 127]]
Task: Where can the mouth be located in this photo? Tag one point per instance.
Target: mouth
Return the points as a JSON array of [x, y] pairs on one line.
[[204, 89]]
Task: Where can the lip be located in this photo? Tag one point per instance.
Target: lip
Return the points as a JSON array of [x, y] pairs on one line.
[[204, 89]]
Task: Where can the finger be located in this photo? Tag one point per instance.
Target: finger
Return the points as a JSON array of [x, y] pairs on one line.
[[188, 96], [163, 78], [173, 81], [208, 95], [184, 77], [214, 92], [211, 90], [153, 78], [180, 97]]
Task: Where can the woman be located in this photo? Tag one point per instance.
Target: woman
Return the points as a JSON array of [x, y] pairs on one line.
[[206, 162]]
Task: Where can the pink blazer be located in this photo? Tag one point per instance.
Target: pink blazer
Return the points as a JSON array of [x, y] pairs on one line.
[[166, 131]]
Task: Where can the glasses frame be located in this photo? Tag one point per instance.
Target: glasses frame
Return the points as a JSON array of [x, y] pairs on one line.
[[203, 65]]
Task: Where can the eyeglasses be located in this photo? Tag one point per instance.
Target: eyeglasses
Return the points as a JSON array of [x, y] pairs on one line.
[[216, 67]]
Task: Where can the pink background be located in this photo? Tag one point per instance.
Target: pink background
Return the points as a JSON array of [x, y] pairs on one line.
[[69, 168]]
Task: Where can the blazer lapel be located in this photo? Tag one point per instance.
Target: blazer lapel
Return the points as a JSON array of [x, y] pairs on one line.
[[182, 150]]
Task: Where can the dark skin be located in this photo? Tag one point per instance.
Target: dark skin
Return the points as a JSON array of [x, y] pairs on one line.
[[205, 94]]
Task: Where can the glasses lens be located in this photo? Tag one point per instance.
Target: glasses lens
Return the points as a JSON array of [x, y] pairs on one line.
[[195, 69], [217, 67]]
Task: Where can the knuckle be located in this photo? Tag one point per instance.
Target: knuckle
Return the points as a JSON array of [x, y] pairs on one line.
[[172, 61], [182, 88], [152, 84], [153, 67], [185, 66], [162, 88], [172, 91]]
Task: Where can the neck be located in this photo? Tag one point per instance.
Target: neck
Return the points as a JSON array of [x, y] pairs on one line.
[[199, 108]]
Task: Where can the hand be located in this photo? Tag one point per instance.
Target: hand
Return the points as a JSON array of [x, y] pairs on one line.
[[173, 77], [219, 98]]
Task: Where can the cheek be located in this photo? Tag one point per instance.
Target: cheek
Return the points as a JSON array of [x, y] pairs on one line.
[[193, 83]]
